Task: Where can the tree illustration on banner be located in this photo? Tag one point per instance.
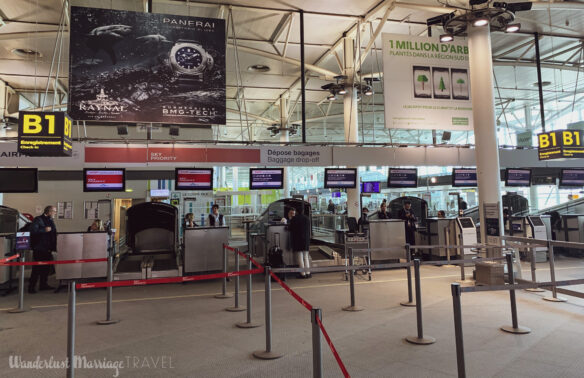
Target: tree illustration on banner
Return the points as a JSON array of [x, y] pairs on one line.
[[441, 86], [422, 79], [461, 82]]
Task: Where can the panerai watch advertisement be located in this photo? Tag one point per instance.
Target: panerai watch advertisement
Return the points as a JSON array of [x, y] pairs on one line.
[[146, 67]]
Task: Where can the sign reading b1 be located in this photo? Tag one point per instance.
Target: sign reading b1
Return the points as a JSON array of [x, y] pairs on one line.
[[560, 144], [44, 134]]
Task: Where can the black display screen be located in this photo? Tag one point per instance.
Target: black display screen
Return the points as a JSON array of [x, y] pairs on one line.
[[104, 180], [402, 178], [370, 187], [464, 177], [517, 177], [193, 178], [466, 222], [572, 177], [340, 178], [18, 180], [266, 178]]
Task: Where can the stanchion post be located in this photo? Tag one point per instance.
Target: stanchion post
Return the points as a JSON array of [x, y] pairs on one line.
[[514, 328], [410, 302], [71, 331], [249, 323], [456, 292], [236, 306], [316, 313], [554, 297], [268, 354], [533, 267], [352, 307], [224, 281], [419, 339], [20, 307], [109, 293]]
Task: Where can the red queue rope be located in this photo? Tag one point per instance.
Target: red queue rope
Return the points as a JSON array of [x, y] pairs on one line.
[[250, 258], [292, 292], [58, 262], [155, 281], [333, 349], [9, 258], [229, 248]]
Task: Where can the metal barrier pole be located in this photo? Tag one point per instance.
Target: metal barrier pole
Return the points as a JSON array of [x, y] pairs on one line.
[[410, 302], [316, 344], [20, 307], [352, 307], [236, 307], [71, 331], [456, 292], [268, 354], [224, 283], [419, 339], [514, 328], [248, 323], [533, 267], [109, 293], [554, 297]]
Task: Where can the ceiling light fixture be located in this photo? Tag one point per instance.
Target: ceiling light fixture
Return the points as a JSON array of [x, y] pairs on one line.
[[481, 21], [331, 97], [512, 28], [342, 91], [446, 37], [368, 91]]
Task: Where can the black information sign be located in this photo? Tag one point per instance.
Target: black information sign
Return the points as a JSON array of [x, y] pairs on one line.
[[560, 144], [44, 134], [464, 177], [266, 178], [572, 177], [402, 178], [340, 178], [517, 177]]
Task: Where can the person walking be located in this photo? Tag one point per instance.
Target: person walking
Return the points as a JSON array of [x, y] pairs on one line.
[[43, 235], [299, 227]]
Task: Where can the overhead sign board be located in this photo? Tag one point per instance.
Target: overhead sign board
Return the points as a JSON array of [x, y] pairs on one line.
[[44, 134], [560, 144]]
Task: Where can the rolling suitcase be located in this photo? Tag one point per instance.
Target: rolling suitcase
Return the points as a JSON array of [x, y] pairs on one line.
[[275, 258]]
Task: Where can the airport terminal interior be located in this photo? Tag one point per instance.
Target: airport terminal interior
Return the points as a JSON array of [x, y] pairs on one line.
[[266, 188]]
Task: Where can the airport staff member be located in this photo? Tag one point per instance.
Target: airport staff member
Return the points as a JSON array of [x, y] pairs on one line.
[[189, 221], [441, 214], [407, 214], [290, 215], [299, 227], [382, 213], [43, 235], [96, 226], [364, 221], [216, 219]]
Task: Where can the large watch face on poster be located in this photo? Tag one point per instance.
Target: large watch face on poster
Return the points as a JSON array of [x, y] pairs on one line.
[[139, 67]]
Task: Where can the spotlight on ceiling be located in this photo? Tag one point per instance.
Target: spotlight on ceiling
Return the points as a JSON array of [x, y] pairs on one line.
[[368, 91], [481, 21], [446, 37], [342, 91], [512, 28], [331, 97]]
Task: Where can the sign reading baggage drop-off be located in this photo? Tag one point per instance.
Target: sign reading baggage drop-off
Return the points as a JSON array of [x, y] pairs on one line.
[[296, 156], [44, 134], [427, 83]]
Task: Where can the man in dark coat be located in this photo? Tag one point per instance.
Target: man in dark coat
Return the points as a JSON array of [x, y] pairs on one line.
[[299, 227], [43, 235], [407, 214]]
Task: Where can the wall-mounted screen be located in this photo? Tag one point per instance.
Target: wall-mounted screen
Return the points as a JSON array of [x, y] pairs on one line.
[[266, 178], [572, 177], [370, 187], [104, 180], [340, 178], [517, 177], [18, 180], [402, 178], [159, 193], [193, 179], [464, 177]]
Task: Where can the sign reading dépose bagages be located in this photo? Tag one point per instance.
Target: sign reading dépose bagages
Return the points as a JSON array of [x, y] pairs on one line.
[[146, 67], [426, 83]]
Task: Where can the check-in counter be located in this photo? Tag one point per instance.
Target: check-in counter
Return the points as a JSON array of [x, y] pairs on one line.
[[203, 248], [439, 234], [384, 233], [276, 234], [81, 245]]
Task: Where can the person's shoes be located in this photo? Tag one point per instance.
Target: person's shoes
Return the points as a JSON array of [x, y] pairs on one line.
[[31, 290], [46, 287], [308, 275], [300, 275]]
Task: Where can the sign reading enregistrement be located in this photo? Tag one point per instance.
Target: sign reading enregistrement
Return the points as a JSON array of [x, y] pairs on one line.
[[44, 134], [561, 144], [427, 83]]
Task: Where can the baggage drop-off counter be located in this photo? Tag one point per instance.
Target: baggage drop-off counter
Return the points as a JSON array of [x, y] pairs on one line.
[[204, 248], [385, 233]]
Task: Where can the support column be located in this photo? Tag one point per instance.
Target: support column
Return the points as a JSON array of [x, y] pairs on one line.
[[234, 183], [351, 125], [483, 110], [284, 138]]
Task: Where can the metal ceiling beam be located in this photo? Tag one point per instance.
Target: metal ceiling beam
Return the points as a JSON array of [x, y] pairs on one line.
[[515, 48], [390, 8]]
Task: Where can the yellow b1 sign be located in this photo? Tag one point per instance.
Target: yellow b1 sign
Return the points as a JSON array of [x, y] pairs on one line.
[[44, 134], [560, 144]]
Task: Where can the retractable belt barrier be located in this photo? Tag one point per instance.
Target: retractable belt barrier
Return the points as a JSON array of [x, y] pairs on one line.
[[9, 258], [55, 262], [333, 349]]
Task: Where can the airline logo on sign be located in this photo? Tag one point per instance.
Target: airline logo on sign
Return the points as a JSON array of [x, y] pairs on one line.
[[560, 144], [44, 134]]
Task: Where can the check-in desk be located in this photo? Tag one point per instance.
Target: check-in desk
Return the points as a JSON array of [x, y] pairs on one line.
[[439, 230], [384, 233], [275, 234], [203, 248], [81, 245]]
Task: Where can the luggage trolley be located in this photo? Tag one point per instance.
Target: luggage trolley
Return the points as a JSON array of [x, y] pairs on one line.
[[356, 240]]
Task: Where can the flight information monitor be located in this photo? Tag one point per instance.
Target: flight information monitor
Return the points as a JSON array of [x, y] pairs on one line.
[[464, 177], [104, 180], [340, 178], [193, 179], [266, 178], [517, 177], [572, 177], [402, 178], [370, 187], [18, 180]]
